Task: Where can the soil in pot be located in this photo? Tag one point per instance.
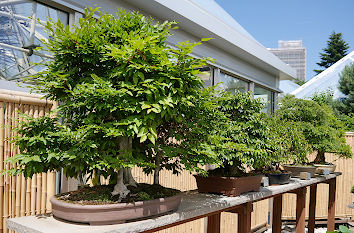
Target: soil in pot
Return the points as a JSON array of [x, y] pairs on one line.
[[295, 169], [278, 178], [229, 186], [96, 206]]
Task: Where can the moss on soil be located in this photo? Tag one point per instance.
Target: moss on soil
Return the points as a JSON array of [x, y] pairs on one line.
[[101, 194]]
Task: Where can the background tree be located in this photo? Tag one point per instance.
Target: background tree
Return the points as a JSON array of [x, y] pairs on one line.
[[346, 86], [336, 49]]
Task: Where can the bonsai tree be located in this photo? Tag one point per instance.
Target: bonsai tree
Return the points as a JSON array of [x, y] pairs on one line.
[[123, 92], [247, 141], [290, 141], [322, 130]]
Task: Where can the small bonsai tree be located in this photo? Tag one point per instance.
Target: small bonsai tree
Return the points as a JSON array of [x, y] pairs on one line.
[[247, 143], [322, 130], [291, 143], [120, 89]]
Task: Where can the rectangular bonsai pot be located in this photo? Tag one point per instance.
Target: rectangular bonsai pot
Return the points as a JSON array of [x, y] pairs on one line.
[[229, 186]]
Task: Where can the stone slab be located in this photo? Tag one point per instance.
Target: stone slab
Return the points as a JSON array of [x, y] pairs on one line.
[[194, 205]]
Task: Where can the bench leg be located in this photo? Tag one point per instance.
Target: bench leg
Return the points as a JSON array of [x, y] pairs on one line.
[[331, 204], [244, 218], [300, 210], [312, 210], [277, 209], [214, 223]]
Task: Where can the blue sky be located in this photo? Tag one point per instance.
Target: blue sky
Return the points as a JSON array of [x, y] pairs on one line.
[[310, 20]]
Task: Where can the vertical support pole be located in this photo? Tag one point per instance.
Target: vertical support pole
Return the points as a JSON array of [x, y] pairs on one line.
[[300, 210], [277, 209], [312, 211], [331, 204], [214, 223], [244, 218]]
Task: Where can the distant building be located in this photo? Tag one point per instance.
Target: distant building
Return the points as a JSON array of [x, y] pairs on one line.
[[292, 53]]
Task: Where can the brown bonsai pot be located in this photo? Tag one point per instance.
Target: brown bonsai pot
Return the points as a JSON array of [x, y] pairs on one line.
[[229, 186], [296, 169], [321, 167], [113, 213]]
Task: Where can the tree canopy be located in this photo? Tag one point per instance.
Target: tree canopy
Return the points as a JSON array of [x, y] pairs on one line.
[[321, 128], [336, 49]]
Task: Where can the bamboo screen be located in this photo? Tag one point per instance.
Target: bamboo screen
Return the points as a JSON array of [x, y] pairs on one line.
[[20, 196]]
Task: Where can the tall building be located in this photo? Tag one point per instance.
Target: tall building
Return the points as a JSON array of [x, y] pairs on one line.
[[292, 53]]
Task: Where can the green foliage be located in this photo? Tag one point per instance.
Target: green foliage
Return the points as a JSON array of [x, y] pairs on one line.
[[336, 49], [299, 81], [288, 136], [326, 98], [346, 86], [115, 77], [352, 191], [321, 128], [248, 138], [342, 229]]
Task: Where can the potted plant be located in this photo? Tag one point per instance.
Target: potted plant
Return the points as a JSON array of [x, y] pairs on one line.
[[120, 87], [291, 146], [245, 147], [322, 130]]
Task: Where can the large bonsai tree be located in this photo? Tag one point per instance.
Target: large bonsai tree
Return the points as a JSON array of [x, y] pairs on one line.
[[321, 128], [120, 89]]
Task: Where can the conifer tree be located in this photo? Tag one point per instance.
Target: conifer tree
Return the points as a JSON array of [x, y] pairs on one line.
[[336, 49]]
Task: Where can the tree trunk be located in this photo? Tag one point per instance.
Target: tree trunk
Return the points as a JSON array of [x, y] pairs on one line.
[[120, 189], [320, 158], [157, 168], [81, 180], [128, 177], [96, 179]]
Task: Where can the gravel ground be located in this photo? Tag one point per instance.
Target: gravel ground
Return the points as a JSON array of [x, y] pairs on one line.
[[291, 229]]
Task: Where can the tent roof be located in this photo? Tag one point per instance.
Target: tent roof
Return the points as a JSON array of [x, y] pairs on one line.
[[327, 80]]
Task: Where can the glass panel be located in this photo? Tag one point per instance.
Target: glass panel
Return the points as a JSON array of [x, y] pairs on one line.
[[265, 96], [15, 30], [206, 76], [232, 84]]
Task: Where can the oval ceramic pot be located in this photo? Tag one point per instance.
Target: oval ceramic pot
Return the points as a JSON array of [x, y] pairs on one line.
[[278, 179], [321, 167], [296, 169], [113, 213], [229, 186]]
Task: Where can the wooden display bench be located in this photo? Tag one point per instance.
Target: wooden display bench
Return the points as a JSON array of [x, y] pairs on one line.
[[195, 206]]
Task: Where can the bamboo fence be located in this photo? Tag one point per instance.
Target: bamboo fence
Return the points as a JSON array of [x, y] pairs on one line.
[[23, 197], [20, 196]]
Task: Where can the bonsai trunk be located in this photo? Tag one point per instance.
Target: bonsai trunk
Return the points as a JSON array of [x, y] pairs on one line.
[[128, 177], [320, 158], [157, 168], [120, 189]]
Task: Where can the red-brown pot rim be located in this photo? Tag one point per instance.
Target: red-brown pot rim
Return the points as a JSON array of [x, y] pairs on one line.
[[228, 178]]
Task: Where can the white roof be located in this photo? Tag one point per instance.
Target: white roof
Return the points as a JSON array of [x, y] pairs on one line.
[[287, 86], [327, 80]]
